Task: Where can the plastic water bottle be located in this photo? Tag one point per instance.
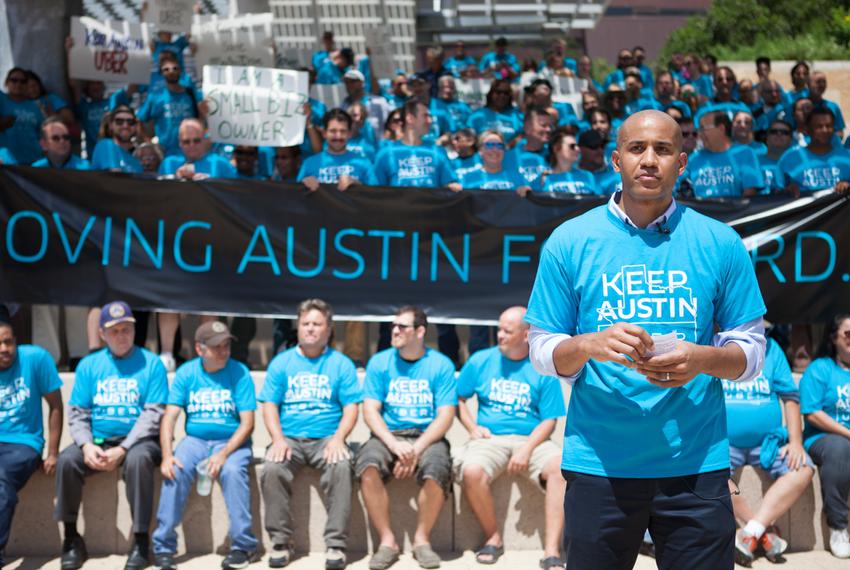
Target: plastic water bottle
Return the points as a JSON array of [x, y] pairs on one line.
[[204, 485]]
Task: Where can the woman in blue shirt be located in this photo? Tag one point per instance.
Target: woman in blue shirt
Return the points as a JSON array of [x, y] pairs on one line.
[[20, 119], [565, 177], [825, 403], [499, 113], [493, 175]]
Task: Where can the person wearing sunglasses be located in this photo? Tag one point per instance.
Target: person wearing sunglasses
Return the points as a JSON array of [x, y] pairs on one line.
[[166, 108], [409, 402], [114, 148], [564, 175], [20, 119], [822, 164], [778, 141], [494, 174], [499, 113], [592, 159], [690, 136], [196, 162], [56, 143], [825, 401]]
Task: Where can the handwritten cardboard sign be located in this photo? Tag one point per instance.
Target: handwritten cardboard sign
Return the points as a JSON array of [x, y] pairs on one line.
[[170, 15], [256, 106], [247, 48], [381, 51], [115, 51]]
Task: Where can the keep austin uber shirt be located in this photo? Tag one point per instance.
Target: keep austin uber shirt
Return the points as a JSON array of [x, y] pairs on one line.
[[212, 402], [116, 390], [311, 392], [597, 270], [825, 387], [512, 397], [410, 392], [420, 166], [22, 385]]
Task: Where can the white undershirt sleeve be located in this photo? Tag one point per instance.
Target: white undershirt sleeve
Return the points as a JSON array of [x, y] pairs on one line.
[[750, 337], [542, 346]]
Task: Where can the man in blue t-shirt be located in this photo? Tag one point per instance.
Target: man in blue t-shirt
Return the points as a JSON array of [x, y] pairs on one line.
[[167, 107], [410, 162], [196, 161], [114, 413], [310, 401], [530, 154], [115, 152], [217, 394], [757, 438], [721, 169], [820, 165], [55, 141], [409, 399], [517, 412], [27, 375], [336, 165], [645, 444]]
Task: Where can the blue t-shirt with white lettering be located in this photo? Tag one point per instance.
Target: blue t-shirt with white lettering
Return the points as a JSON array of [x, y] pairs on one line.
[[607, 181], [513, 398], [507, 122], [109, 156], [328, 168], [458, 111], [22, 138], [420, 166], [462, 166], [774, 180], [116, 390], [531, 164], [212, 401], [825, 387], [619, 424], [410, 392], [31, 376], [456, 65], [90, 113], [311, 392], [723, 174], [753, 408], [211, 164], [505, 179], [167, 109], [575, 181], [812, 171]]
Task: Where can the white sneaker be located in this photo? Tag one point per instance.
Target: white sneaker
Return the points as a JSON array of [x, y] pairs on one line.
[[168, 361], [839, 543]]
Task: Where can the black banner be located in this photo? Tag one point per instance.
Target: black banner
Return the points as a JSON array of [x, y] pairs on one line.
[[258, 248]]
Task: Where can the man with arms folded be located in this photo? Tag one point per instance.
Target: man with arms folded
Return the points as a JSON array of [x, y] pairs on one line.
[[310, 400], [645, 443], [336, 165], [27, 374], [409, 399], [517, 412], [217, 394], [115, 410]]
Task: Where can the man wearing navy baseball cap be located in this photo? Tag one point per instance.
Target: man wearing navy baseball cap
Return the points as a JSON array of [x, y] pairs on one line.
[[115, 410]]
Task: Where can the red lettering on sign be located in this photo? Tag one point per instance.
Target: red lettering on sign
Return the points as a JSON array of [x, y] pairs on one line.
[[111, 61]]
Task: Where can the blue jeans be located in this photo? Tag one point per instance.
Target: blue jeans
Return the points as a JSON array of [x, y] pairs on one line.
[[17, 463], [234, 485]]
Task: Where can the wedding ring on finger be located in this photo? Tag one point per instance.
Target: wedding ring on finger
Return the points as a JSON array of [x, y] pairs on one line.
[[667, 376]]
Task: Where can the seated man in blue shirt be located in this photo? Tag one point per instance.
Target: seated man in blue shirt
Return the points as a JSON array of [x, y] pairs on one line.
[[499, 63], [820, 165], [410, 163], [196, 161], [115, 151], [336, 165], [409, 399], [115, 409], [721, 169], [757, 438], [27, 375], [56, 143], [217, 394], [310, 403], [517, 412]]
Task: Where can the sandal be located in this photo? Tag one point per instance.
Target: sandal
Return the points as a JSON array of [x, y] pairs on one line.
[[383, 558], [491, 550], [552, 562], [426, 557]]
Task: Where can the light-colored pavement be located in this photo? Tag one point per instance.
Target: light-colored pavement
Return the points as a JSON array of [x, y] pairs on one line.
[[513, 560]]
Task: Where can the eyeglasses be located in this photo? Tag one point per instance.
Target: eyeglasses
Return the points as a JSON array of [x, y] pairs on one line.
[[572, 146], [170, 68], [57, 138], [692, 134], [493, 145], [191, 141], [122, 122], [783, 132], [395, 120], [400, 326]]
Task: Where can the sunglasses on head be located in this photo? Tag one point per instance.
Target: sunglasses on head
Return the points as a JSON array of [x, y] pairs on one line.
[[494, 145], [195, 140], [120, 122], [57, 138]]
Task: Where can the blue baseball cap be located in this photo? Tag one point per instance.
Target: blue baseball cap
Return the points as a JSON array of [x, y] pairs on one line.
[[115, 312]]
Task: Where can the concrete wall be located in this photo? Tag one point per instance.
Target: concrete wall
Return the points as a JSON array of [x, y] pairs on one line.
[[105, 515]]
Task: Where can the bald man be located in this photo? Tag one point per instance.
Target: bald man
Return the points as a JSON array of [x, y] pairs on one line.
[[645, 444], [196, 161], [517, 412]]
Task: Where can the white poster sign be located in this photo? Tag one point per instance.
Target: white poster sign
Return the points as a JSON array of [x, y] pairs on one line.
[[331, 95], [293, 57], [473, 92], [381, 51], [214, 23], [255, 106], [170, 15], [115, 51], [247, 48]]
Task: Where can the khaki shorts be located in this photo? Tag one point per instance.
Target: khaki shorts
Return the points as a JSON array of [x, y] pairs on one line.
[[493, 454]]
